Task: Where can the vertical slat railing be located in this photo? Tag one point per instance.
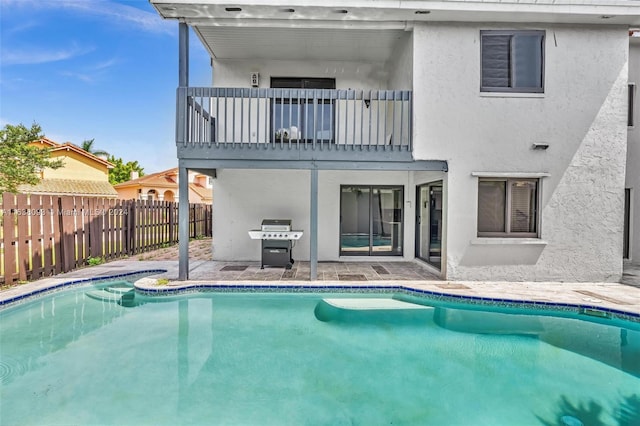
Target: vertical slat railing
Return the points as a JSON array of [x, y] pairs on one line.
[[295, 118]]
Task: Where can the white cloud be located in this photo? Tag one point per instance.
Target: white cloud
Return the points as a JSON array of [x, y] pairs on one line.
[[21, 27], [79, 76], [26, 56], [91, 73], [147, 21], [104, 64]]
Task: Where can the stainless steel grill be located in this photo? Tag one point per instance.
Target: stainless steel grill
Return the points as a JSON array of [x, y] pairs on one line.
[[277, 242]]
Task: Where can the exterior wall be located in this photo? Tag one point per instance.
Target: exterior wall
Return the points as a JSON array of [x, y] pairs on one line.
[[130, 193], [348, 75], [401, 65], [245, 197], [582, 117], [76, 166], [633, 155]]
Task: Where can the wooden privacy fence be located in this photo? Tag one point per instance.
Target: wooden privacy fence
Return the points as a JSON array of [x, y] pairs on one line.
[[43, 235]]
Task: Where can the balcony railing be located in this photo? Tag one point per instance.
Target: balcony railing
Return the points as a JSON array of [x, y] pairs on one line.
[[295, 118]]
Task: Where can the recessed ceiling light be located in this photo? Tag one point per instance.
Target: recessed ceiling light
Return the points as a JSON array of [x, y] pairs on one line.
[[422, 12], [233, 9], [341, 11]]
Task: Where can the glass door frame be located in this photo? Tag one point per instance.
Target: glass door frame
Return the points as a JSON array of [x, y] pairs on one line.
[[626, 244], [371, 252], [303, 106], [418, 223]]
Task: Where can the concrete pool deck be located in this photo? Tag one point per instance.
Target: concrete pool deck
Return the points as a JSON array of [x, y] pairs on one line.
[[623, 296]]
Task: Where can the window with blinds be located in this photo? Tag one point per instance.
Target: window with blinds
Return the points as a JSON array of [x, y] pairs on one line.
[[512, 61], [507, 207]]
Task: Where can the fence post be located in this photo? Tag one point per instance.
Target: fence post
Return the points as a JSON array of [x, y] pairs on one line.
[[24, 234], [8, 231], [171, 218], [67, 230]]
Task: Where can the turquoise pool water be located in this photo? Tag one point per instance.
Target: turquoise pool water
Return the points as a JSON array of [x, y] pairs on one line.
[[284, 359], [354, 241]]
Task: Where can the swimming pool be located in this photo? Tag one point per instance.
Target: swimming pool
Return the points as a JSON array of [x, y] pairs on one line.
[[270, 358]]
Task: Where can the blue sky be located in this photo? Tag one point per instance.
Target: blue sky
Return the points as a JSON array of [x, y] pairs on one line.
[[103, 69]]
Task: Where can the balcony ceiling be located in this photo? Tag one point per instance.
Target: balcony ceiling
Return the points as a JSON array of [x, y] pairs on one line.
[[299, 43], [359, 29]]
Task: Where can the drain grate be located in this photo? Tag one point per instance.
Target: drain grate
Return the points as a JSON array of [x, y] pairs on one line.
[[380, 269], [236, 268], [289, 273], [352, 277]]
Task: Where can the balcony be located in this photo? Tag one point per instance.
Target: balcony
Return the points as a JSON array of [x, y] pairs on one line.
[[303, 125]]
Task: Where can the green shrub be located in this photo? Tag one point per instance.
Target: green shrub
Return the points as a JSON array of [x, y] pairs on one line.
[[93, 261]]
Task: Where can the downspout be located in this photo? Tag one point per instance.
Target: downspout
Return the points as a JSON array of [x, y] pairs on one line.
[[183, 174]]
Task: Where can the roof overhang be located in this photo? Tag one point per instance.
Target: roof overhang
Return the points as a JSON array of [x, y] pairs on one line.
[[296, 12], [361, 30]]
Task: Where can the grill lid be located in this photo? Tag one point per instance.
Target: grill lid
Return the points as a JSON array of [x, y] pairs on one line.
[[276, 225]]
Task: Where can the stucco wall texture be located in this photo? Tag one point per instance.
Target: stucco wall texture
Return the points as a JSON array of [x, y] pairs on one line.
[[581, 115]]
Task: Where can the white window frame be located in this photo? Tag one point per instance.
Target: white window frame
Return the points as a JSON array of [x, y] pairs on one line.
[[507, 210], [511, 89]]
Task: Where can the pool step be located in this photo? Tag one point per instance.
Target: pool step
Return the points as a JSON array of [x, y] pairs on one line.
[[119, 289], [103, 295], [113, 294], [371, 310], [370, 304]]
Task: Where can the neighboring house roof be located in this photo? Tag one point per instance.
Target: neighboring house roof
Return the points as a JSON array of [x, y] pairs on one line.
[[163, 179], [46, 141], [68, 146], [71, 187], [167, 179], [201, 191]]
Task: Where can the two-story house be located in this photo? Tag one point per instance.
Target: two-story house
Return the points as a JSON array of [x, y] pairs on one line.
[[486, 139], [81, 174]]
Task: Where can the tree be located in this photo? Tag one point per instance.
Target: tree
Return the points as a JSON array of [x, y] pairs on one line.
[[87, 145], [20, 162], [121, 171]]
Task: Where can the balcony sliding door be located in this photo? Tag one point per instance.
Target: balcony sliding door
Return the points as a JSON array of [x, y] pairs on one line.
[[299, 116], [371, 220]]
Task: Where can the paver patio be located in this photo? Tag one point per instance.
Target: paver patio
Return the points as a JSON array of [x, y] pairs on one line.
[[624, 296]]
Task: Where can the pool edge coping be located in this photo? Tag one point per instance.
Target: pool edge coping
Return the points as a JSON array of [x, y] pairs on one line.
[[145, 286], [148, 286]]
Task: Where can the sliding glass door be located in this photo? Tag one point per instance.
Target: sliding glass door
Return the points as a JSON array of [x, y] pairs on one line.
[[299, 117], [627, 222], [371, 220], [429, 223]]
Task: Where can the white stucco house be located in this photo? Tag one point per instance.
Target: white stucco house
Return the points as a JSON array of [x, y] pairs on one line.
[[487, 139]]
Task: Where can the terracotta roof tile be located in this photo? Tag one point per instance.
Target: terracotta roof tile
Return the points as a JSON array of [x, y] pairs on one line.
[[163, 178], [201, 191], [71, 187]]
